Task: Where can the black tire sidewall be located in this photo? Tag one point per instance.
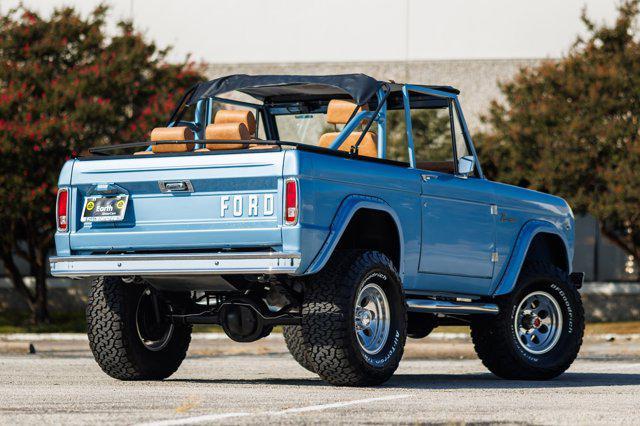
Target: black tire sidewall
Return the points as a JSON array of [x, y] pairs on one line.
[[392, 351], [148, 360], [570, 339]]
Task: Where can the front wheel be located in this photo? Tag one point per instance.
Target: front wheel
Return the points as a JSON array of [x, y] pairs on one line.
[[538, 331], [127, 338], [354, 319]]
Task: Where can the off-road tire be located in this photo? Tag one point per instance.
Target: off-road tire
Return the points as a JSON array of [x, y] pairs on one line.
[[495, 339], [328, 322], [294, 338], [113, 337]]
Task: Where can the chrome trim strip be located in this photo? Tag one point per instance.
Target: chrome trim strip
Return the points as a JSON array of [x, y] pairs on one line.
[[180, 256], [175, 264], [450, 307]]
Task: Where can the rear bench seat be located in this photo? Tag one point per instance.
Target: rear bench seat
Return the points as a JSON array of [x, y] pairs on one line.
[[170, 134], [240, 125], [228, 125]]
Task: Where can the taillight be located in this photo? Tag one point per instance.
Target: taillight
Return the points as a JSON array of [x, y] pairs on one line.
[[62, 203], [291, 202]]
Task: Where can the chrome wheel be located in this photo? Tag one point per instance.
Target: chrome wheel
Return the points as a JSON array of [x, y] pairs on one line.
[[538, 323], [154, 335], [372, 318]]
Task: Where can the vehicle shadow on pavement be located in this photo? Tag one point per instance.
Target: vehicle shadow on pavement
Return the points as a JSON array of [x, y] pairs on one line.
[[476, 381], [262, 381], [450, 381]]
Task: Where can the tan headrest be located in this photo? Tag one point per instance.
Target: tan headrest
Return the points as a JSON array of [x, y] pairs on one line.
[[172, 134], [236, 116], [368, 147], [339, 111], [227, 132]]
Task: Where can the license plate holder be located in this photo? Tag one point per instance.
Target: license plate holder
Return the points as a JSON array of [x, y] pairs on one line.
[[104, 208]]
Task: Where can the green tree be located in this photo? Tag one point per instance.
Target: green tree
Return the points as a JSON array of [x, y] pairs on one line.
[[431, 135], [64, 87], [570, 127]]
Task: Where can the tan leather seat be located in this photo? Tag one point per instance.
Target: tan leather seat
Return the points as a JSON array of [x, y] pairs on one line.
[[339, 112], [227, 132], [246, 117], [368, 147], [171, 134], [229, 125]]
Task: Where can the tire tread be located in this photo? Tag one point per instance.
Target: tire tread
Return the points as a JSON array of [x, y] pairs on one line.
[[491, 342], [110, 340], [327, 326]]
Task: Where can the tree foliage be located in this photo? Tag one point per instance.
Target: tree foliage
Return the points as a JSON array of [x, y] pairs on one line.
[[570, 127], [66, 86], [431, 135]]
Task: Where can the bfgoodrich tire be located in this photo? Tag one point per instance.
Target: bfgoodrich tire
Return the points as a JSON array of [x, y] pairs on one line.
[[539, 330], [124, 337], [354, 319], [294, 338]]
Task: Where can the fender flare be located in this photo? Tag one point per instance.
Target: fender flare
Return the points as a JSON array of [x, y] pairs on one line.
[[347, 209], [527, 233]]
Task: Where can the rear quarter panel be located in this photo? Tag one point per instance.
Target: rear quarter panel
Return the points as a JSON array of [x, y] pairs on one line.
[[326, 181]]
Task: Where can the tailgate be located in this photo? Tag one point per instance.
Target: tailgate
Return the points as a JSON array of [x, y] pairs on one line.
[[181, 202]]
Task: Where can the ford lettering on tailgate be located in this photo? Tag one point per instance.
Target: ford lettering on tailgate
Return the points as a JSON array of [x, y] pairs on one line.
[[247, 205]]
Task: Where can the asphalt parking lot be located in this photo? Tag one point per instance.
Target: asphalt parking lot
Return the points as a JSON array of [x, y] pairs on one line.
[[226, 383]]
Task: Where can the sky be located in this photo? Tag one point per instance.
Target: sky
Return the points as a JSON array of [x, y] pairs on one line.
[[276, 31]]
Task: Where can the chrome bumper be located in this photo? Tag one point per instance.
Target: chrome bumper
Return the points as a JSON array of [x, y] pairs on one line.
[[175, 264]]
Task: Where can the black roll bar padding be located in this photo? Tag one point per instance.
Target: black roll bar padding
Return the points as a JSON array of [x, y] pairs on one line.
[[354, 112], [387, 88], [178, 108]]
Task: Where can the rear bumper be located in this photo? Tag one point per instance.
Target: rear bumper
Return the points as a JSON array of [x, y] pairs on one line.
[[175, 264]]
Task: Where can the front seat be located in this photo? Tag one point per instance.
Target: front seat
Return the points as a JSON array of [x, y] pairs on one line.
[[338, 112]]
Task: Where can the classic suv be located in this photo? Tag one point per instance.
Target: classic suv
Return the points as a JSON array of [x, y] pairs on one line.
[[269, 200]]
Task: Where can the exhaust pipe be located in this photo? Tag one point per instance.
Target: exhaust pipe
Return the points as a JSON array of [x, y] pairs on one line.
[[451, 307]]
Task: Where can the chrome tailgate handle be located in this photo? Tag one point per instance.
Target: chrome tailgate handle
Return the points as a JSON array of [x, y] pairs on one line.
[[175, 186]]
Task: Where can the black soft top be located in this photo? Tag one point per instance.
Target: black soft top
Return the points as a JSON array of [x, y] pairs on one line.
[[283, 88]]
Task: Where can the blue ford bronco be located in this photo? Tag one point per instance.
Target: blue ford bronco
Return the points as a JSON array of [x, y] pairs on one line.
[[350, 211]]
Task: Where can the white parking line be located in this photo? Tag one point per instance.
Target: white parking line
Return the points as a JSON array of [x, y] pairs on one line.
[[215, 417]]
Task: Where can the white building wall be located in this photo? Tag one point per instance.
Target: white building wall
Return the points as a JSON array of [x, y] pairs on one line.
[[228, 31], [476, 79]]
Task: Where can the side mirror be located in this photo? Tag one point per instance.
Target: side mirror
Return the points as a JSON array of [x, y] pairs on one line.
[[466, 165]]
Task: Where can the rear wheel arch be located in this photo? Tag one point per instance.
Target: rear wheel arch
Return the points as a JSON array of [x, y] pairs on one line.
[[353, 212], [386, 238]]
